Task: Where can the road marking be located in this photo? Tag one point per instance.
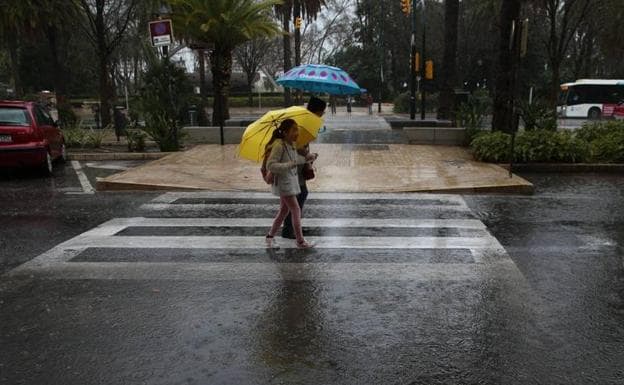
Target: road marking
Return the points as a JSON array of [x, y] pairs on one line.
[[308, 222], [487, 252], [84, 181], [171, 197], [272, 272], [107, 166]]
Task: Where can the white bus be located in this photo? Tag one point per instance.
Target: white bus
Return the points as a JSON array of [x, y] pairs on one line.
[[592, 99]]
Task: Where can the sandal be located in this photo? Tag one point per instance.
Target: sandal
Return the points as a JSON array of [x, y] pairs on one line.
[[270, 242], [305, 245]]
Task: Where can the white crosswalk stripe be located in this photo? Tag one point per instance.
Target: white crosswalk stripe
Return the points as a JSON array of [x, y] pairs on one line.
[[451, 245]]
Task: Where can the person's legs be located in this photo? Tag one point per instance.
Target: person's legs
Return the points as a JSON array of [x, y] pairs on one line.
[[281, 214], [293, 206], [288, 230]]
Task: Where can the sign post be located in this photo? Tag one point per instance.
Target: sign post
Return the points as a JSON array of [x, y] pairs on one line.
[[161, 33]]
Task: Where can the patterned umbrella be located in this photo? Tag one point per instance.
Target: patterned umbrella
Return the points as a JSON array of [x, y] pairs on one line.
[[318, 78]]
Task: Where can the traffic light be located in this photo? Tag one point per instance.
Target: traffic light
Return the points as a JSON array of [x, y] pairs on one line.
[[429, 70], [406, 6], [298, 22]]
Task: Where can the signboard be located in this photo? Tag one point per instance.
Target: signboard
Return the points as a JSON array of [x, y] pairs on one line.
[[161, 32]]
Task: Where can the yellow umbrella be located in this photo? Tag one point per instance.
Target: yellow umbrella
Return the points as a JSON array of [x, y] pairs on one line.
[[258, 133]]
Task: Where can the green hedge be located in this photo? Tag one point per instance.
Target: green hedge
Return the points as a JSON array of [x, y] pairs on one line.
[[597, 142]]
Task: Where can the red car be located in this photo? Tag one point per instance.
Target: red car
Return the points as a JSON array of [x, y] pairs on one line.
[[29, 136]]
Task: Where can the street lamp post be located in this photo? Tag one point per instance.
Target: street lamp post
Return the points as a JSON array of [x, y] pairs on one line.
[[413, 65], [423, 61]]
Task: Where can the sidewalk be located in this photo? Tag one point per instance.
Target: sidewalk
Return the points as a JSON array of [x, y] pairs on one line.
[[340, 168]]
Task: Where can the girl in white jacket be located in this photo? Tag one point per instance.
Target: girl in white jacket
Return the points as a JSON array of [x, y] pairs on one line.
[[282, 162]]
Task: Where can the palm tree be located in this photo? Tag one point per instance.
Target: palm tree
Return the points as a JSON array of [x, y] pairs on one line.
[[226, 24], [284, 10], [503, 118], [308, 9], [14, 18], [288, 12], [451, 17]]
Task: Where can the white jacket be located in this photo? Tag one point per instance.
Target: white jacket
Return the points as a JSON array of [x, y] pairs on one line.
[[280, 164]]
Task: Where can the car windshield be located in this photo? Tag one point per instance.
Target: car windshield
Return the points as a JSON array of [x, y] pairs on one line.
[[14, 116]]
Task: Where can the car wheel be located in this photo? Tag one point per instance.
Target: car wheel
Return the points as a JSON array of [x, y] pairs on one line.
[[594, 113], [46, 167]]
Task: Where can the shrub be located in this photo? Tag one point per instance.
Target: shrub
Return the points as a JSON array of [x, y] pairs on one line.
[[471, 115], [609, 147], [401, 103], [538, 116], [491, 146], [163, 99], [136, 140], [570, 148], [592, 131], [66, 115], [74, 136], [533, 146], [94, 138]]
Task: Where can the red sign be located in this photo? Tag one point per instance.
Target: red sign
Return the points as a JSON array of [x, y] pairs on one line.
[[161, 32]]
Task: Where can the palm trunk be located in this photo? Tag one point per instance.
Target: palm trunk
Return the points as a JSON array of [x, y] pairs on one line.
[[503, 93], [297, 12], [221, 66], [287, 53], [14, 59], [448, 73]]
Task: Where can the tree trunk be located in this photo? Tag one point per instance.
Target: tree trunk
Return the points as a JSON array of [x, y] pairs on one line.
[[287, 53], [221, 66], [297, 12], [14, 59], [503, 92], [446, 109], [202, 73], [555, 73], [106, 94], [250, 78]]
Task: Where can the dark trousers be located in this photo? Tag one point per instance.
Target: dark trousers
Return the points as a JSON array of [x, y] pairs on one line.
[[301, 198]]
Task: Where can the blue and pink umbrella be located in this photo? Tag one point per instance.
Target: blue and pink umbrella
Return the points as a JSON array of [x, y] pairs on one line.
[[320, 79]]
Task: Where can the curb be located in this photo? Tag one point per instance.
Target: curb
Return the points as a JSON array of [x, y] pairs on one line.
[[617, 168], [96, 156]]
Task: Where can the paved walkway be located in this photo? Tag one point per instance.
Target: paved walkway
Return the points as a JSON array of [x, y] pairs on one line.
[[340, 168]]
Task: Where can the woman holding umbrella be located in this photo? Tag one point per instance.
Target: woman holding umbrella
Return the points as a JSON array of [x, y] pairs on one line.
[[317, 107], [282, 162]]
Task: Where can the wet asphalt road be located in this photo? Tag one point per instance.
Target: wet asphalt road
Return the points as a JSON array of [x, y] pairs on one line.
[[553, 315]]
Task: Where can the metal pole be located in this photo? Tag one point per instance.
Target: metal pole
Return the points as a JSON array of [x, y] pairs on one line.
[[381, 57], [423, 60], [413, 65]]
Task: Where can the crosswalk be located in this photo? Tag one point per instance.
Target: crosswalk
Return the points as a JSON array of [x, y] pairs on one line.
[[220, 236]]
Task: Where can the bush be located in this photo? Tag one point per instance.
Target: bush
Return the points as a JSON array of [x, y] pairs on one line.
[[77, 136], [163, 99], [548, 146], [94, 138], [608, 148], [592, 131], [66, 115], [538, 116], [491, 146], [136, 140], [471, 115], [74, 136], [401, 104]]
